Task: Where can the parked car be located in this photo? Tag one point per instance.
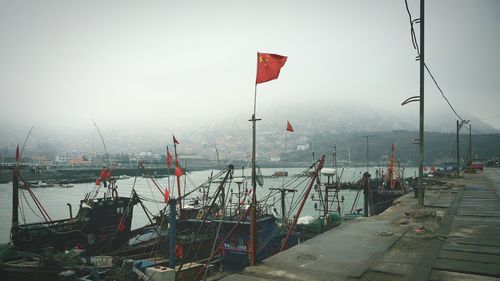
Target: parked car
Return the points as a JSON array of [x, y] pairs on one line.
[[477, 166]]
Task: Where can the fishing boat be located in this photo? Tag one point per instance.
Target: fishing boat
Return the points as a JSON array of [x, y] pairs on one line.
[[101, 224], [327, 203], [380, 193]]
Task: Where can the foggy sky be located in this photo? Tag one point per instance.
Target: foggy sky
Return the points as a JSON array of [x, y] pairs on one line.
[[175, 64]]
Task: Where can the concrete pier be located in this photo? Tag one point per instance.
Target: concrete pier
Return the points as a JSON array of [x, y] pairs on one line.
[[456, 236]]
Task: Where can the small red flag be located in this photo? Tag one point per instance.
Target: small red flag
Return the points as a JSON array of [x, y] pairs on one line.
[[178, 170], [268, 67], [175, 140], [17, 153], [166, 195], [169, 158], [289, 126]]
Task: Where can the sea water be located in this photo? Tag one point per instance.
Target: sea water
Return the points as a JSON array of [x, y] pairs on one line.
[[55, 199]]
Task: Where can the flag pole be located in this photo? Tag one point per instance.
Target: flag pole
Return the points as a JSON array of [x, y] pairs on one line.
[[178, 178], [169, 187], [284, 158], [253, 206]]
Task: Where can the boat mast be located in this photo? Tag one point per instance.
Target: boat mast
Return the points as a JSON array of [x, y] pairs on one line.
[[284, 242], [178, 178], [15, 191], [253, 206]]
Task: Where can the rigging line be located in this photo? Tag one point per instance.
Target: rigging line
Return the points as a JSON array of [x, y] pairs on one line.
[[304, 179], [205, 217], [294, 206], [218, 175], [151, 190], [37, 202], [28, 204], [151, 178], [158, 238], [213, 250], [103, 143]]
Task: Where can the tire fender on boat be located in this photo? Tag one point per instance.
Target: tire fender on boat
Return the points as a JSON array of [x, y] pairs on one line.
[[91, 239]]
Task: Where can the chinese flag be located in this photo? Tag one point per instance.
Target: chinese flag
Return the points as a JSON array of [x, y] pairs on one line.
[[268, 67], [289, 126], [169, 158], [175, 140]]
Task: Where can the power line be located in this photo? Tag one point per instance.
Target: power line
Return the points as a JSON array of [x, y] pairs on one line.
[[415, 46], [442, 94]]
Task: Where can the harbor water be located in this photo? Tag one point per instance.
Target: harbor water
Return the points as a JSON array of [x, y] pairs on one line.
[[55, 198]]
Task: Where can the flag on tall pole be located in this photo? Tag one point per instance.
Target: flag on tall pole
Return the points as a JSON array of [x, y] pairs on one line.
[[268, 67], [175, 140], [289, 127], [178, 170]]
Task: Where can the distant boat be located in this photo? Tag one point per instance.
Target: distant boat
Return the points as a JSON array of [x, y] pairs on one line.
[[280, 174], [37, 184]]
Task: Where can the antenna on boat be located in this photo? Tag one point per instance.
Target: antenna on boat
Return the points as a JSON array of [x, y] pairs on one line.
[[103, 143], [25, 141]]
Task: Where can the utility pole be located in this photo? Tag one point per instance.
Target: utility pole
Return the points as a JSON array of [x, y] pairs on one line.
[[421, 118], [470, 145], [459, 126], [458, 149]]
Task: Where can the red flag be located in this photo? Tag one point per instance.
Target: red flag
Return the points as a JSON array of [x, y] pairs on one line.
[[268, 67], [289, 126], [169, 158], [178, 170], [17, 153], [175, 140], [166, 195]]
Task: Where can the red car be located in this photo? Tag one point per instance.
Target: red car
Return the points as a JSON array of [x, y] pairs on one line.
[[477, 166]]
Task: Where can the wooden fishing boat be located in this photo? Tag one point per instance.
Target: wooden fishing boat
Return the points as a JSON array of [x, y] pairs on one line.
[[100, 226]]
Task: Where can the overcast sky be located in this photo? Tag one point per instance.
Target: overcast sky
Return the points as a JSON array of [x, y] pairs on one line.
[[171, 64]]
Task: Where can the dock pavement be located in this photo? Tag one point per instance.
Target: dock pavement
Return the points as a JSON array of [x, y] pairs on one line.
[[456, 236]]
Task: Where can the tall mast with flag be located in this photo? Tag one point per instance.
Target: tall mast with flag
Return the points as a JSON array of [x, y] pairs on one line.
[[268, 68], [169, 164], [177, 172], [289, 129]]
